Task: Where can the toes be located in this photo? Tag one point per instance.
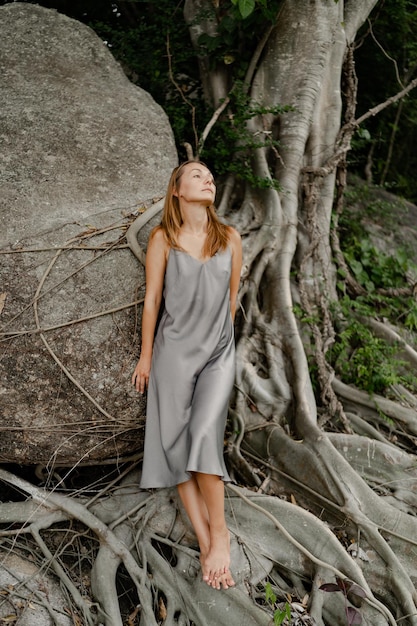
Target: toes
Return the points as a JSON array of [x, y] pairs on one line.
[[224, 581], [228, 579]]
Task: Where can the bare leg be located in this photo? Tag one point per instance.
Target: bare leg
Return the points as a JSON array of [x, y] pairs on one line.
[[196, 509], [203, 500], [216, 570]]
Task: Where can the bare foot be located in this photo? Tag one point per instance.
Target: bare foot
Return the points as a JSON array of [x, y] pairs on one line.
[[215, 564], [224, 581], [203, 557]]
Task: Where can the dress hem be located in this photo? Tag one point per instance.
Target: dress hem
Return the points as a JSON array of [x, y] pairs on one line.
[[225, 479]]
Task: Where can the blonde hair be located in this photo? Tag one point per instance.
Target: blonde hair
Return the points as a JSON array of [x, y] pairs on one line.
[[217, 232]]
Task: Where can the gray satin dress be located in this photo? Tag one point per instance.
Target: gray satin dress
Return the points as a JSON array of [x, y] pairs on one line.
[[192, 372]]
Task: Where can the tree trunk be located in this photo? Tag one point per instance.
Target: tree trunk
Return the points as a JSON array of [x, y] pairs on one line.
[[275, 411]]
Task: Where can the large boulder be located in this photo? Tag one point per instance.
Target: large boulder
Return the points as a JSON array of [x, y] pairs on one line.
[[82, 151], [30, 595]]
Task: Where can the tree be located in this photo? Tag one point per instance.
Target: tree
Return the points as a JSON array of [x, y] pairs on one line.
[[289, 235], [298, 431]]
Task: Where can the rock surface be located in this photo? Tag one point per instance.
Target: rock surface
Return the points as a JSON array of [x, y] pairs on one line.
[[82, 151], [30, 597]]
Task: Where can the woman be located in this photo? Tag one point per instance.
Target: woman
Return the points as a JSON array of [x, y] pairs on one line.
[[194, 262]]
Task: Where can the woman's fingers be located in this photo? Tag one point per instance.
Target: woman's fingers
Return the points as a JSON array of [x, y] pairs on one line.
[[141, 383]]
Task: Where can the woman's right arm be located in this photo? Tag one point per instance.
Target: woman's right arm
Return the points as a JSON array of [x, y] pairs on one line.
[[156, 260]]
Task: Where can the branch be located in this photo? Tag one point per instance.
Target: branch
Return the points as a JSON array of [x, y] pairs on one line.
[[390, 335], [79, 600], [81, 267], [355, 14], [385, 53], [51, 351], [137, 225], [211, 123], [32, 331], [345, 134], [64, 247], [380, 107], [180, 91]]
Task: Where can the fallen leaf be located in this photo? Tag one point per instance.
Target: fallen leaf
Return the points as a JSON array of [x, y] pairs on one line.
[[2, 301], [162, 610]]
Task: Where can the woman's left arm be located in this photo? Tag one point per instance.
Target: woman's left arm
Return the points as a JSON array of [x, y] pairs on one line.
[[236, 247]]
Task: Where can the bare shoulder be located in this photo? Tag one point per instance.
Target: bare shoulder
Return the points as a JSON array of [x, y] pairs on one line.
[[158, 241], [157, 236], [235, 239]]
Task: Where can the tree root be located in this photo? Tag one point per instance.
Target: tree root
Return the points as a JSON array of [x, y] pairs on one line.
[[389, 533], [378, 405], [148, 535]]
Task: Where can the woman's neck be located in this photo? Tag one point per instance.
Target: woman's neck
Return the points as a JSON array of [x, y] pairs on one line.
[[195, 220]]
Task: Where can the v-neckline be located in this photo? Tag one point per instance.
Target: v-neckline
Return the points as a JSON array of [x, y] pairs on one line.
[[201, 262]]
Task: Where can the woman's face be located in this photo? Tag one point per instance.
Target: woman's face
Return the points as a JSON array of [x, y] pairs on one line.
[[196, 184]]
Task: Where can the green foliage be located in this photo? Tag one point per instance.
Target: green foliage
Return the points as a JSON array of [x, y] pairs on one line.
[[279, 614], [360, 358], [232, 144], [246, 7], [239, 26], [357, 355], [270, 596], [141, 46], [373, 269]]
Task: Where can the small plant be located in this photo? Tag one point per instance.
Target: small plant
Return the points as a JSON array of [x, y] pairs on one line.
[[362, 359], [279, 614], [347, 587]]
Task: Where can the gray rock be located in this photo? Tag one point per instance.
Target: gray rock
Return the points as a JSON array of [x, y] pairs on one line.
[[30, 595], [82, 150]]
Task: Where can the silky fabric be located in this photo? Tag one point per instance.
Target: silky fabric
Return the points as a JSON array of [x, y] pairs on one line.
[[192, 372]]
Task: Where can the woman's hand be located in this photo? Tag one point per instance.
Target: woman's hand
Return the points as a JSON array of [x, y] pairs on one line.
[[140, 377], [156, 261]]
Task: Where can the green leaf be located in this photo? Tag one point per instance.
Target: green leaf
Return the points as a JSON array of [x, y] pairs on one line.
[[269, 594], [279, 616], [363, 133], [228, 24], [246, 7], [357, 267]]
